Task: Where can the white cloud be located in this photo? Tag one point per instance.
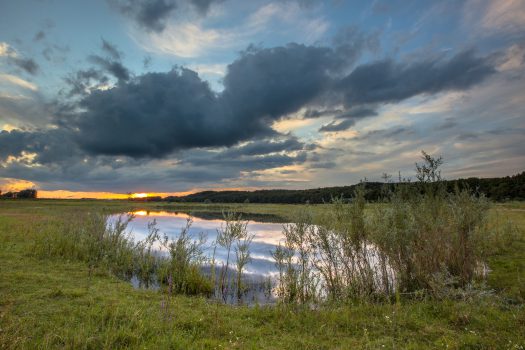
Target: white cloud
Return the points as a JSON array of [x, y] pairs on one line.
[[514, 58], [6, 50], [190, 39], [13, 79], [213, 69], [491, 17], [184, 40], [505, 15]]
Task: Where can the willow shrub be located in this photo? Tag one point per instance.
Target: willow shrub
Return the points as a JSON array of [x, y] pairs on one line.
[[420, 240]]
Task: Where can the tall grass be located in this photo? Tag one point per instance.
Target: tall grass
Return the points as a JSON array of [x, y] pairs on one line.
[[108, 245], [233, 234], [416, 242], [181, 271], [90, 237], [425, 242]]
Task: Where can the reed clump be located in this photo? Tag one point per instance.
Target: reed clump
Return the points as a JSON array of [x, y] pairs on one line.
[[425, 242], [232, 236], [181, 270], [107, 245]]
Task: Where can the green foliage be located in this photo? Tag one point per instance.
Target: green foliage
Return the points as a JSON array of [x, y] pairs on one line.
[[497, 189], [233, 230], [181, 270], [53, 302], [105, 244], [89, 237], [428, 241]]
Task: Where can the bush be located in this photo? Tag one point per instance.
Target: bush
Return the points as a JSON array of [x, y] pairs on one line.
[[429, 241]]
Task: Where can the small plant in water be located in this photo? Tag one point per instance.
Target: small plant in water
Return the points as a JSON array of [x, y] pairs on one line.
[[233, 230]]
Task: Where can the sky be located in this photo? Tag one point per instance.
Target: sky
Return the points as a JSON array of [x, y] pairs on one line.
[[105, 97]]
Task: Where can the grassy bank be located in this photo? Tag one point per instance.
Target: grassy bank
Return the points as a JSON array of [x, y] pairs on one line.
[[53, 303]]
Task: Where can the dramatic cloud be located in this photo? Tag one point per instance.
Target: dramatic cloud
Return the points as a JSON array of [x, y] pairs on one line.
[[153, 115], [387, 81], [158, 113]]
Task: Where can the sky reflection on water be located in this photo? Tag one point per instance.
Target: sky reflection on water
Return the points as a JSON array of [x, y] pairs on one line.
[[267, 236]]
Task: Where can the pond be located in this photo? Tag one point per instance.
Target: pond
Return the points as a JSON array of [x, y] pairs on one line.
[[361, 264], [266, 235]]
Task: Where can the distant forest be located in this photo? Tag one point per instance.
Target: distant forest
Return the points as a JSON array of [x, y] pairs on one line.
[[497, 189], [27, 193]]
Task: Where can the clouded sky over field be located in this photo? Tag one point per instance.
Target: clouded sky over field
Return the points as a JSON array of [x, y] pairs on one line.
[[178, 95]]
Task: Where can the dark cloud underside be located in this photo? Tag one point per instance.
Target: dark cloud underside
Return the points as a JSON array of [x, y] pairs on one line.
[[154, 115]]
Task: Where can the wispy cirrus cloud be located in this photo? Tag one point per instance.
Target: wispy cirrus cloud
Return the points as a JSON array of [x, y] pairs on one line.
[[197, 37]]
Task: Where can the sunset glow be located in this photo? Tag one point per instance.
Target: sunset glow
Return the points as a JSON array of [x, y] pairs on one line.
[[172, 97]]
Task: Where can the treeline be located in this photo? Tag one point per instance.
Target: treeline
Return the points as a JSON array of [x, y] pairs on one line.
[[27, 193], [497, 189]]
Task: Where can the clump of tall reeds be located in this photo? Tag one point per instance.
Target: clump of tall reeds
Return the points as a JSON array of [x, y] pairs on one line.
[[420, 240], [107, 244], [233, 235], [181, 271], [294, 259], [90, 237]]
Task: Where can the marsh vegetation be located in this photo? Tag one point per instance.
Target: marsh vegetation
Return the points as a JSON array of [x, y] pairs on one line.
[[426, 268], [428, 243]]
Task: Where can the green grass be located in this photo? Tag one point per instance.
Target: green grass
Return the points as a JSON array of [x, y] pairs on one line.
[[52, 303]]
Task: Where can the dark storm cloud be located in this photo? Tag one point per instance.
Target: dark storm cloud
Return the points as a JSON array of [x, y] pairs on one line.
[[49, 146], [157, 113], [62, 163], [154, 115], [387, 81], [314, 113], [247, 163], [83, 82], [269, 83], [161, 112]]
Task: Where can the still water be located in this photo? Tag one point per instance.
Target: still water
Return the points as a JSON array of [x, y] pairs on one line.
[[267, 236]]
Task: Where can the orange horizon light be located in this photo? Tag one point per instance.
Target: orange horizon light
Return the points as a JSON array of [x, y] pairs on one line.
[[139, 195]]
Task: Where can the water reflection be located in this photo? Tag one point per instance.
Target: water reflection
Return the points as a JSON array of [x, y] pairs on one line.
[[267, 236]]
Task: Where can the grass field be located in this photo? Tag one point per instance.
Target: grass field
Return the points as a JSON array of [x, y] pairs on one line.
[[53, 303]]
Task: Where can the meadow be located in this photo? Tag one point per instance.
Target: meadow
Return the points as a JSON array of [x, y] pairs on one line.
[[56, 302]]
